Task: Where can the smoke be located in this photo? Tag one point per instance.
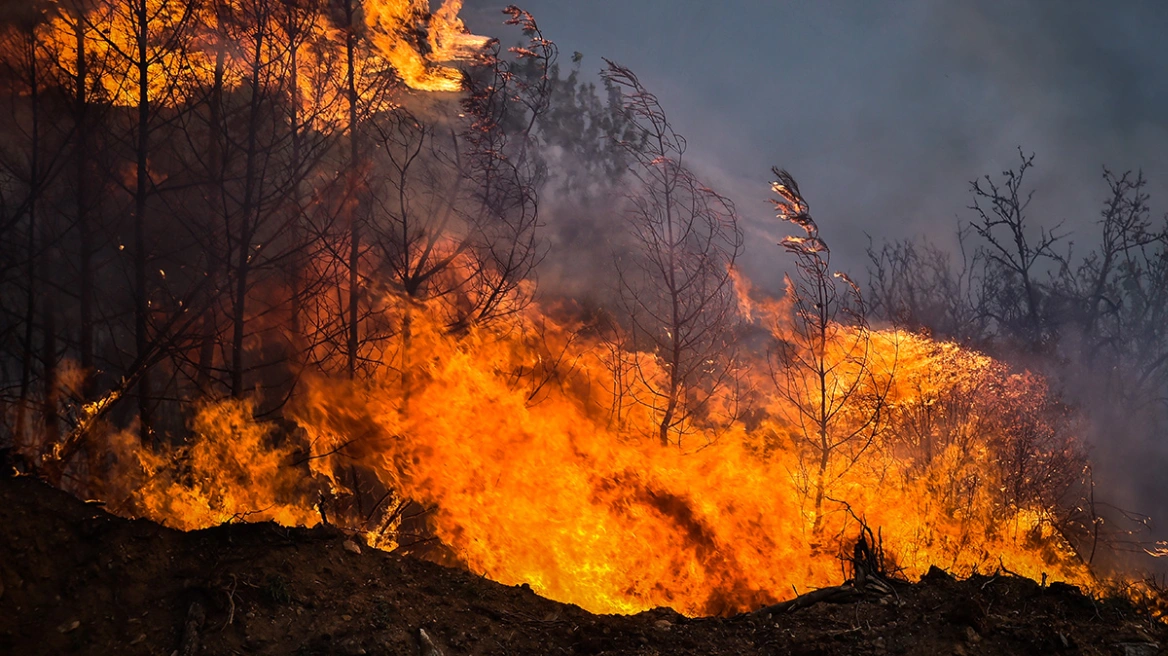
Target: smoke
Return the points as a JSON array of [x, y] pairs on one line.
[[885, 113]]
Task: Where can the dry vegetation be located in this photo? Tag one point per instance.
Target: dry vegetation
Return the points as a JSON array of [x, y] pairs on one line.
[[268, 261]]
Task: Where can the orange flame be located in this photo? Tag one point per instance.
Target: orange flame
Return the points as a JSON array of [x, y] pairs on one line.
[[508, 434], [391, 25], [419, 46], [530, 448], [551, 492]]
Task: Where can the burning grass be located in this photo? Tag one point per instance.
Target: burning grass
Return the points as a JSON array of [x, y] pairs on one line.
[[695, 453], [507, 436]]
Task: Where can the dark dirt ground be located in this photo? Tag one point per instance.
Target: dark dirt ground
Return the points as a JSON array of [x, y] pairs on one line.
[[76, 580]]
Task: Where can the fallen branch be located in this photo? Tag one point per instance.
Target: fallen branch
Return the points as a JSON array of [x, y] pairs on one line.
[[836, 594], [230, 603], [189, 646]]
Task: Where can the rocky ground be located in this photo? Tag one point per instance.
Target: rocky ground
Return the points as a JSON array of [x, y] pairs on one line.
[[74, 579]]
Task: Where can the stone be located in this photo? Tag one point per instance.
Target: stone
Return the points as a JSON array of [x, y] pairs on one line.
[[69, 626]]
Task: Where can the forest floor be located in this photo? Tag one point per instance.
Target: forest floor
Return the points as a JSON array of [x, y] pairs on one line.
[[74, 579]]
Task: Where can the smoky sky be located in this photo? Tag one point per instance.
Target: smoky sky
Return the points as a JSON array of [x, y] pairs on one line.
[[885, 111]]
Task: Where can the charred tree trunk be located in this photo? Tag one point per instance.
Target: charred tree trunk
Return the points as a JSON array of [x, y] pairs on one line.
[[26, 347], [247, 226], [825, 446], [675, 322], [206, 361], [296, 259], [141, 189], [351, 200], [49, 417], [84, 229], [34, 190]]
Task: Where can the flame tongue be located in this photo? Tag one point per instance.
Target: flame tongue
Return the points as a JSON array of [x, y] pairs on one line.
[[530, 479], [394, 28], [548, 492], [450, 41]]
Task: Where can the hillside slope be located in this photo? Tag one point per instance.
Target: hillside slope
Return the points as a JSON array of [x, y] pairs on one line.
[[77, 580]]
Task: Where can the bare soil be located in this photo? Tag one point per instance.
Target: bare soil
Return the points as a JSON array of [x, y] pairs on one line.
[[76, 580]]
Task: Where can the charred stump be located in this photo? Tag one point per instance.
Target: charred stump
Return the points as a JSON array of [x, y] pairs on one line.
[[869, 579]]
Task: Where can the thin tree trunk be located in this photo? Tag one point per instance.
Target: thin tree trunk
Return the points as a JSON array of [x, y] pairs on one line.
[[206, 353], [49, 417], [141, 290], [675, 310], [243, 267], [215, 158], [351, 201], [48, 309], [296, 261], [84, 230], [239, 319], [26, 348], [820, 481], [825, 447], [33, 228]]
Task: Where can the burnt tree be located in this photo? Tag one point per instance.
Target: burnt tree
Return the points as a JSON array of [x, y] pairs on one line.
[[677, 289], [826, 364]]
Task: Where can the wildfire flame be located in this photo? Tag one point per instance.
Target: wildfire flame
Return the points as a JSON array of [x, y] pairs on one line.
[[531, 479], [392, 21], [418, 45], [534, 467]]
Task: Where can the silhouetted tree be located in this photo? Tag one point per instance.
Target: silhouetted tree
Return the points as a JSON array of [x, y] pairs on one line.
[[1015, 258], [149, 41], [677, 290], [825, 365]]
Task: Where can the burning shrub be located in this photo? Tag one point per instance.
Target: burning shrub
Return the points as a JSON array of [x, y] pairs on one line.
[[231, 468], [541, 446]]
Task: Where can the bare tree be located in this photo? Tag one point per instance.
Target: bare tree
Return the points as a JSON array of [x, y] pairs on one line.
[[456, 216], [149, 41], [677, 290], [23, 63], [1109, 288], [34, 150], [78, 70], [917, 285], [825, 366], [261, 175], [1015, 260], [1093, 323]]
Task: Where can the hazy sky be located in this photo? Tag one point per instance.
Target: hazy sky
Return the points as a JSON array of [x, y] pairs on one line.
[[884, 111]]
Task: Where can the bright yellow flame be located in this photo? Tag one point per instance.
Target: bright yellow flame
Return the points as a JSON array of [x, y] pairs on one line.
[[229, 472], [547, 490], [532, 480], [394, 26]]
